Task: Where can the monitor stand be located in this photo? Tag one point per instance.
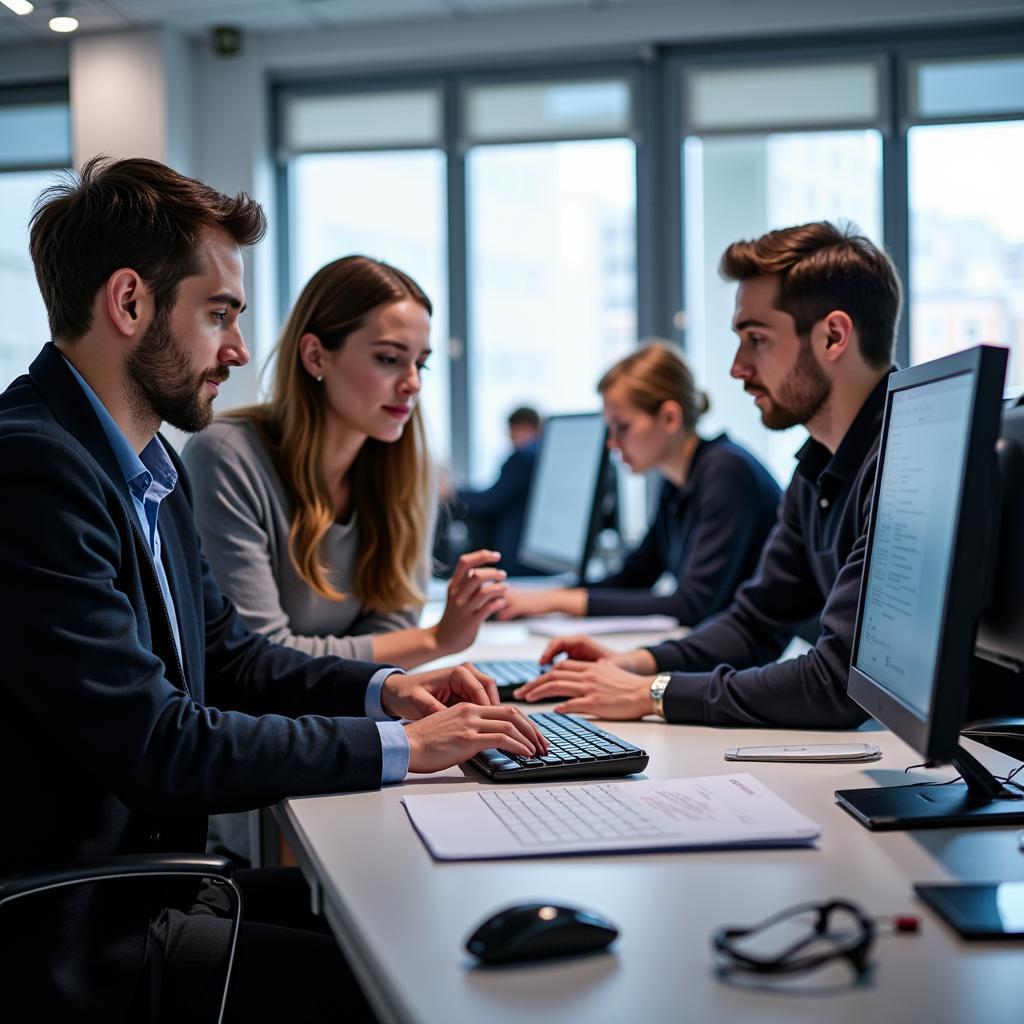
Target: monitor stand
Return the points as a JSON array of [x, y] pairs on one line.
[[979, 800]]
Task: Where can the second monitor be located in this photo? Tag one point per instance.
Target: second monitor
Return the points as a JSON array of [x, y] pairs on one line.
[[565, 494]]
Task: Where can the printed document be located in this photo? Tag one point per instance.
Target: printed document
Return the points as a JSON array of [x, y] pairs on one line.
[[715, 811]]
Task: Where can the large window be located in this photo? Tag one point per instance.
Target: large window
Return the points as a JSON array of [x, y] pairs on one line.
[[366, 175], [552, 279], [558, 215], [34, 137], [391, 206], [518, 197], [966, 210], [739, 185]]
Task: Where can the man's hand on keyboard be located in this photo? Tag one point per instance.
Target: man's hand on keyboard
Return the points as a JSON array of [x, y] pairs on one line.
[[426, 693], [456, 734], [594, 688]]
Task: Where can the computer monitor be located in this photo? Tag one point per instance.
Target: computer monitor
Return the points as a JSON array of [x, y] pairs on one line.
[[565, 494], [929, 580]]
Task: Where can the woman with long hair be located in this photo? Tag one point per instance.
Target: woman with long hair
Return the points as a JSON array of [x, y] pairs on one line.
[[316, 509], [716, 507]]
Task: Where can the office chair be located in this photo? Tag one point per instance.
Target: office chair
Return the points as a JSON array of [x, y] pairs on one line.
[[159, 865]]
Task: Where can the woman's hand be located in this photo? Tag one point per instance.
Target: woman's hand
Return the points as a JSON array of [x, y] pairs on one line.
[[475, 592], [520, 603], [594, 688]]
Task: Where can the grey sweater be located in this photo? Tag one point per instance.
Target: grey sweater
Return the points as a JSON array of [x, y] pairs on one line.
[[243, 514]]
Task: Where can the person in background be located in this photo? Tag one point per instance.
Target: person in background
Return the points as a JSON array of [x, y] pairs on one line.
[[316, 509], [816, 314], [499, 512], [716, 507], [133, 700]]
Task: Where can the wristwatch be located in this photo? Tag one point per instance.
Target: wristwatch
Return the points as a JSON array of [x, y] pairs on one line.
[[658, 684]]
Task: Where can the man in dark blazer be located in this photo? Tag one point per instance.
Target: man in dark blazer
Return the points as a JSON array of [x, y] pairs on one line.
[[133, 702]]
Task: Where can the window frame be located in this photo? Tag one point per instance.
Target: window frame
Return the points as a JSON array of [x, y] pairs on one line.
[[658, 127], [454, 87], [41, 94]]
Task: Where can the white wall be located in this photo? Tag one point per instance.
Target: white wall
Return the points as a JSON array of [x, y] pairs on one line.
[[121, 95]]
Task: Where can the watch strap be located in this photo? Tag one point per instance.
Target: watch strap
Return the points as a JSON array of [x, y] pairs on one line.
[[658, 685]]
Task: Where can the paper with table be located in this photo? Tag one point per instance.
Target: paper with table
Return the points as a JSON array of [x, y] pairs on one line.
[[564, 625], [711, 812]]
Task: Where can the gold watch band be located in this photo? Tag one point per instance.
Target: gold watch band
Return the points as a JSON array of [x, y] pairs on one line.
[[658, 684]]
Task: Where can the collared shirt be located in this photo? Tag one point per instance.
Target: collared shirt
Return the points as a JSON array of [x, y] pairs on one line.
[[724, 672], [151, 477]]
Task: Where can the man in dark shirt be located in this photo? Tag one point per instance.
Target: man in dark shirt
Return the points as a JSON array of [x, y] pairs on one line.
[[816, 314], [497, 514]]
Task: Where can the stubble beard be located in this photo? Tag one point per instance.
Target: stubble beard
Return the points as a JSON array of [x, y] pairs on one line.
[[164, 383], [801, 395]]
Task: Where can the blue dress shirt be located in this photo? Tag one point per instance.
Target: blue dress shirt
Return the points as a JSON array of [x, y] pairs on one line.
[[150, 477]]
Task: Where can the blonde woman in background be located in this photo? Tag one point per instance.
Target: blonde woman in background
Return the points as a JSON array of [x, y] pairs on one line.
[[716, 507]]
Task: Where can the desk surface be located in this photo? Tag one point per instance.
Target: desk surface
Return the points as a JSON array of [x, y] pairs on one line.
[[402, 919]]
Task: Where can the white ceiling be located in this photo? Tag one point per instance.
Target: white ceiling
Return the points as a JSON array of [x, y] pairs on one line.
[[194, 16]]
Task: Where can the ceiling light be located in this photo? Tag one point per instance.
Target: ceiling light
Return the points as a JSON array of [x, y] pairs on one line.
[[18, 6], [62, 20]]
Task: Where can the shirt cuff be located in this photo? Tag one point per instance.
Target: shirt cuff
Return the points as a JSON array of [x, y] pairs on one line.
[[371, 702], [394, 751], [683, 699]]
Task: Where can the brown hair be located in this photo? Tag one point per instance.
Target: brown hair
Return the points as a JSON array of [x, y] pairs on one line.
[[390, 481], [524, 416], [126, 213], [655, 374], [822, 267]]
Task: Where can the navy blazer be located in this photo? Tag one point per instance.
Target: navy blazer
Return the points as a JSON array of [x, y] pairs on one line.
[[108, 743]]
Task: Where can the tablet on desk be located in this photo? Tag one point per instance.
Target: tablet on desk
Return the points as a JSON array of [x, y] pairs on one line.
[[979, 911]]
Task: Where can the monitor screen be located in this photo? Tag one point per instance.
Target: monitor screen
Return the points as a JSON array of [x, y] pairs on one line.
[[564, 492], [917, 510], [932, 546]]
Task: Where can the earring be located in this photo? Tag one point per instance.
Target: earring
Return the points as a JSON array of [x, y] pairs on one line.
[[319, 378]]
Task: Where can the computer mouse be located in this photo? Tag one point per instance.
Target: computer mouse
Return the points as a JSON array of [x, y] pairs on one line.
[[535, 931]]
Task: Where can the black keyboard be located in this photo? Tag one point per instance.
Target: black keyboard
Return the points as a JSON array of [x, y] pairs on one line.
[[510, 674], [578, 749]]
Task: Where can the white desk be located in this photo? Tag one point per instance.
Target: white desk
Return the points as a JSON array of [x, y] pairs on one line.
[[402, 919]]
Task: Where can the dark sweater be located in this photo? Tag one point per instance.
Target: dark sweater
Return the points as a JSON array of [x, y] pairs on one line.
[[707, 533], [724, 672], [503, 507]]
